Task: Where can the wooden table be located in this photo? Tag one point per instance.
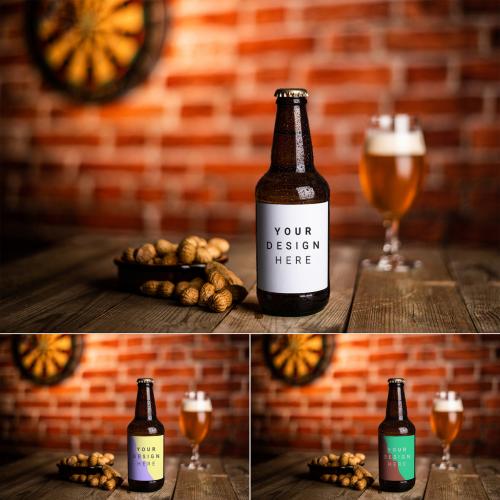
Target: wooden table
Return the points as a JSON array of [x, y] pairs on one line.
[[287, 477], [36, 477], [73, 288]]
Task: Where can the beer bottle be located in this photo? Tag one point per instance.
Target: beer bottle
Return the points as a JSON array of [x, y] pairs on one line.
[[396, 442], [292, 214], [145, 437]]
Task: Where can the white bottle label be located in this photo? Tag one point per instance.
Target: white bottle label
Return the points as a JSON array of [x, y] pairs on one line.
[[292, 247]]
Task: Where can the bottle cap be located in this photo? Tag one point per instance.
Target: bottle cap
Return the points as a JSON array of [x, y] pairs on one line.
[[145, 380], [396, 380], [291, 93]]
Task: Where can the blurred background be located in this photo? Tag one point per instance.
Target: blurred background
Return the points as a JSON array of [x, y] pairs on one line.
[[90, 410], [182, 150], [341, 410]]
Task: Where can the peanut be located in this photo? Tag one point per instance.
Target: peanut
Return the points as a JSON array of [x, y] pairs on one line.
[[150, 287], [214, 252], [180, 287], [217, 280], [361, 484], [82, 456], [221, 243], [165, 289], [73, 460], [220, 301], [202, 255], [186, 252], [170, 259], [129, 255], [189, 296], [207, 290], [164, 247], [145, 253], [93, 459], [110, 484], [197, 283], [102, 479], [94, 482], [110, 456]]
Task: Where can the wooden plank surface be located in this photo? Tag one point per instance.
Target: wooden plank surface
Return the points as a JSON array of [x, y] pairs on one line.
[[247, 316], [286, 477], [478, 275], [36, 477], [489, 474], [73, 288], [423, 300], [454, 485]]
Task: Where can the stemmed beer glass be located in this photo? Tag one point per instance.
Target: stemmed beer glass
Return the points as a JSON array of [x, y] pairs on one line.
[[446, 421], [194, 420], [391, 172]]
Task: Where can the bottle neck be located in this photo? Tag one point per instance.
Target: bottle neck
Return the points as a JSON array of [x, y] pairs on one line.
[[396, 403], [145, 408], [292, 146]]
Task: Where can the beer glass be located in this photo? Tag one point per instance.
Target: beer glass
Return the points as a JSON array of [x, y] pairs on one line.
[[446, 421], [194, 421], [391, 172]]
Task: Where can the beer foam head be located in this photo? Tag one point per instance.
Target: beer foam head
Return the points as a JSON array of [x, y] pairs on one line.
[[195, 402], [394, 136], [448, 405]]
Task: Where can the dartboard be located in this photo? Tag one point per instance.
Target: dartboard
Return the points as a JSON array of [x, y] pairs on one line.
[[297, 359], [46, 359], [94, 50]]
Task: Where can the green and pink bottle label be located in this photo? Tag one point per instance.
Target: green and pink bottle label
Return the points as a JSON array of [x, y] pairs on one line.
[[397, 457], [145, 458]]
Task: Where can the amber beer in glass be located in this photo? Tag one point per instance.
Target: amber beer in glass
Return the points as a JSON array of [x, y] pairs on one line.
[[194, 420], [292, 217], [391, 171], [145, 440], [446, 422], [396, 442]]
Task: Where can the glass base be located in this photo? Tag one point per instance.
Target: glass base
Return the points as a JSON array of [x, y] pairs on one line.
[[446, 466], [195, 466], [392, 263]]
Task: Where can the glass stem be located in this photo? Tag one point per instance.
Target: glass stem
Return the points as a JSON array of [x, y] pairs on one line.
[[391, 244], [445, 459], [195, 456]]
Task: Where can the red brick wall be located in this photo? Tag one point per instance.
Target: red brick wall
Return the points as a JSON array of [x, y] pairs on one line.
[[183, 151], [91, 410], [342, 409]]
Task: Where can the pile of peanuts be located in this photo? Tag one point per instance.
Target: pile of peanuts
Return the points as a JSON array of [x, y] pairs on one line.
[[358, 478], [218, 291], [108, 479], [191, 250]]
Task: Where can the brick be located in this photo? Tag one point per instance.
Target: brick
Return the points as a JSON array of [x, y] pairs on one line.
[[197, 110], [485, 137], [346, 11], [274, 74], [65, 139], [480, 6], [213, 139], [344, 107], [351, 42], [367, 75], [253, 108], [434, 40], [426, 73], [426, 8], [286, 45], [480, 70], [439, 105], [221, 19], [270, 15], [200, 79]]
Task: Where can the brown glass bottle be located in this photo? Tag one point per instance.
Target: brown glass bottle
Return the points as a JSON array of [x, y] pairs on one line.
[[396, 442], [145, 441], [292, 218]]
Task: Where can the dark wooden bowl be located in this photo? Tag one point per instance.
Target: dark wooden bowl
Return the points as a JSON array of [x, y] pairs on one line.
[[317, 471], [68, 470], [131, 275]]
